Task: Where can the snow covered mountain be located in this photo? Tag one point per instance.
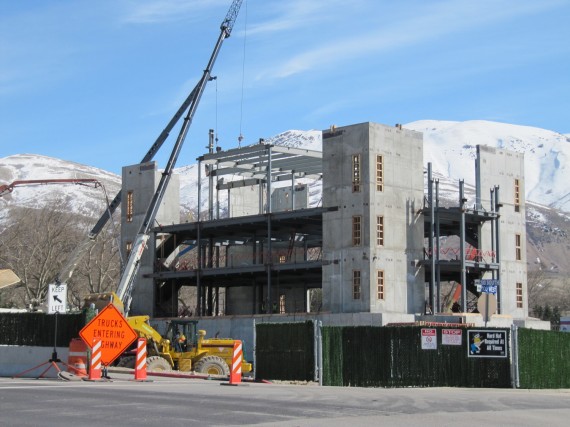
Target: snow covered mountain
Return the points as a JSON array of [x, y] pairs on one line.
[[88, 199], [449, 146], [310, 140]]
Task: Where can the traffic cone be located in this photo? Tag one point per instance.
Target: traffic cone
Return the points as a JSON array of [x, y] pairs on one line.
[[140, 364], [235, 374], [95, 365]]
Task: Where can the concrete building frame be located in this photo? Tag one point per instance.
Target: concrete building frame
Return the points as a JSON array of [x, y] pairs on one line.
[[311, 248]]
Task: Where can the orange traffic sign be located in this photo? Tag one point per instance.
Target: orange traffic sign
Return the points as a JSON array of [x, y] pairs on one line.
[[115, 333]]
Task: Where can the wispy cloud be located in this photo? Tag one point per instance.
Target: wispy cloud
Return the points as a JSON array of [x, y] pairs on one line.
[[421, 25], [295, 14], [34, 44], [160, 11]]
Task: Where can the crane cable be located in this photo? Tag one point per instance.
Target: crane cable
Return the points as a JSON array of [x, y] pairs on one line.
[[240, 137]]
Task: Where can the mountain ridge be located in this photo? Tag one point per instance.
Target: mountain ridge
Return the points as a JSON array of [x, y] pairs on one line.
[[449, 146]]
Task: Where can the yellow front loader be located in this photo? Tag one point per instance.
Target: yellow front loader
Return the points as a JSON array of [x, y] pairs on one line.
[[184, 348]]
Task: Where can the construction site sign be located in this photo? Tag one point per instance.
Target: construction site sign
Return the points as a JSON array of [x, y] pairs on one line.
[[451, 336], [429, 339], [115, 333], [487, 343]]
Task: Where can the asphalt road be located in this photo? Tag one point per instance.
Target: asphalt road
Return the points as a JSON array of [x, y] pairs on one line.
[[189, 402]]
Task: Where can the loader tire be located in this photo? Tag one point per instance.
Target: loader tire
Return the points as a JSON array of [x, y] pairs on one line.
[[212, 365], [157, 363], [127, 362]]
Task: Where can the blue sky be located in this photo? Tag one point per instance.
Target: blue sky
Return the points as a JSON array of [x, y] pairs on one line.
[[95, 82]]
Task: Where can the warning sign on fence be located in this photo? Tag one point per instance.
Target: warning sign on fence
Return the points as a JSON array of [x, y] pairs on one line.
[[490, 343], [429, 339], [451, 336]]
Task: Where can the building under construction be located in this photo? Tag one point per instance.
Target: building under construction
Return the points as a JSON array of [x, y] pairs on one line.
[[358, 228]]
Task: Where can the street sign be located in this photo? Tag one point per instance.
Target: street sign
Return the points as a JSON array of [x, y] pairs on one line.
[[487, 343], [115, 333], [57, 298], [429, 339], [488, 286]]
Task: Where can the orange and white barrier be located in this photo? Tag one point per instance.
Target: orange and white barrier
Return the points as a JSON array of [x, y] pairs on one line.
[[77, 358], [95, 366], [235, 374], [140, 364]]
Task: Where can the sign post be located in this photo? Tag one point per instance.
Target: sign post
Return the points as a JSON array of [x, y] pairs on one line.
[[487, 302]]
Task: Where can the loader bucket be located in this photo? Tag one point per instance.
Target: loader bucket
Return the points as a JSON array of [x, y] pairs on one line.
[[100, 301]]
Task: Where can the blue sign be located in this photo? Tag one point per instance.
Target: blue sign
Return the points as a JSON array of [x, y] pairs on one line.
[[489, 286]]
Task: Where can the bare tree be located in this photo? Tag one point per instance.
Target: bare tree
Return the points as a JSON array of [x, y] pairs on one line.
[[539, 286], [99, 271], [36, 244], [546, 289]]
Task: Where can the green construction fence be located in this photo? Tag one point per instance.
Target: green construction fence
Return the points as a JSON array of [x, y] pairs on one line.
[[371, 356], [543, 359], [39, 329], [285, 351]]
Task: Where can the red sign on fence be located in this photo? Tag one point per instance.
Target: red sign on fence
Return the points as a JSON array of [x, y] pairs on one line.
[[451, 336], [429, 339]]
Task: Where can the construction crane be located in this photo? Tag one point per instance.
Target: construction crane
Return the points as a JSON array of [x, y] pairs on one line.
[[192, 102], [123, 296]]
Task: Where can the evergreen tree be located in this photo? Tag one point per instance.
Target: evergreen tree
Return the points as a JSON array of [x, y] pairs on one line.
[[555, 317], [547, 313]]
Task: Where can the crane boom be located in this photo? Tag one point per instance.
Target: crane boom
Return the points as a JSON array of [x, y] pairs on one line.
[[226, 27], [126, 283], [72, 261], [148, 157]]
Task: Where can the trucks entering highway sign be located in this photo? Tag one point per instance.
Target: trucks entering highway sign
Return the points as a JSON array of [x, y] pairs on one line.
[[115, 333]]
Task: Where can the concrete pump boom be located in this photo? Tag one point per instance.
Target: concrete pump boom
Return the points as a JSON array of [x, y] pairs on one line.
[[72, 261], [8, 188]]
